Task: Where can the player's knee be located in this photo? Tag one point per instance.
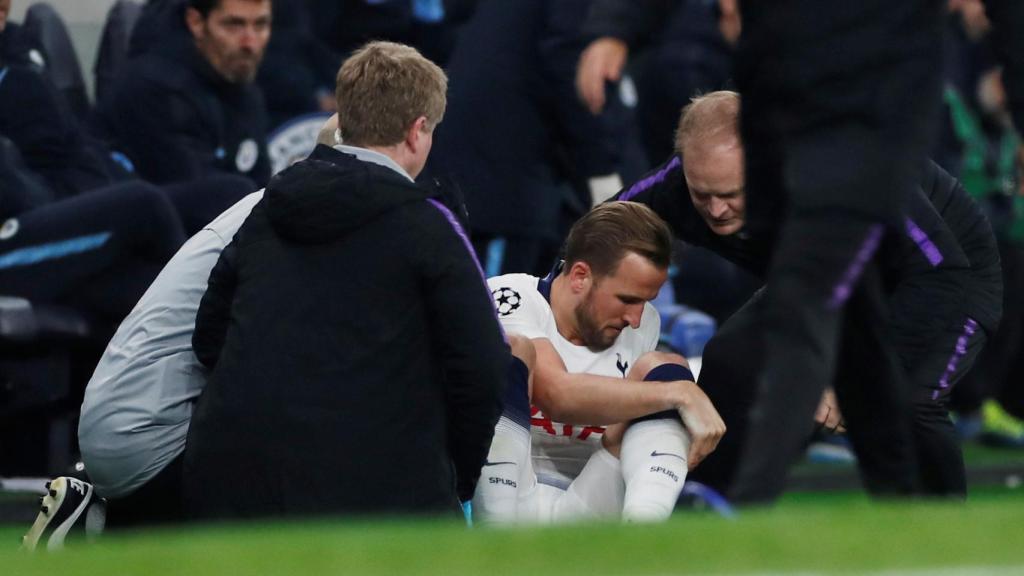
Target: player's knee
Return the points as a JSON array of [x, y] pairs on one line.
[[651, 360]]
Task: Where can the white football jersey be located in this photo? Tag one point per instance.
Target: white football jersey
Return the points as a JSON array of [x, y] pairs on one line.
[[561, 450]]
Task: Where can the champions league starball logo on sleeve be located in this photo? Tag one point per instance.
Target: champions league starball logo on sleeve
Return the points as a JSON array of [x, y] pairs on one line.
[[506, 300]]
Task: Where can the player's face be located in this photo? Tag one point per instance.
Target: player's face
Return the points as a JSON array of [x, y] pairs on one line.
[[5, 9], [617, 300], [233, 37], [714, 175]]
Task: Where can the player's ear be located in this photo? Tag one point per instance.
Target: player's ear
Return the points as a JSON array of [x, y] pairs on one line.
[[580, 275]]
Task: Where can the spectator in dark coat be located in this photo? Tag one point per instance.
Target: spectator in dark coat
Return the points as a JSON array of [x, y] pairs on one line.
[[186, 109], [429, 25], [687, 56], [519, 57]]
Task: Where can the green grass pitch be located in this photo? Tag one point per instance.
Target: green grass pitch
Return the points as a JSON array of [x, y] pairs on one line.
[[805, 534]]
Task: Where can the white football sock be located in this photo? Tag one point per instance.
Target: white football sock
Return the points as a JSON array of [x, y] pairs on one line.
[[506, 472], [654, 465]]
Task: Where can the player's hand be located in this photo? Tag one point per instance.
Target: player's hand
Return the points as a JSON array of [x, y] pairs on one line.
[[702, 421], [602, 61], [828, 415]]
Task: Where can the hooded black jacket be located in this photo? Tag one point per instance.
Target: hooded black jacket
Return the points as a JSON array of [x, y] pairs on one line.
[[355, 353]]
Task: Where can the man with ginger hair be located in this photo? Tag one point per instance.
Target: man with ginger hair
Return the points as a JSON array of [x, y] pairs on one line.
[[356, 363]]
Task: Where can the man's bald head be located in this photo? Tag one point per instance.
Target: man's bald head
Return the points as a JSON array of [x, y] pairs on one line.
[[708, 140], [712, 118]]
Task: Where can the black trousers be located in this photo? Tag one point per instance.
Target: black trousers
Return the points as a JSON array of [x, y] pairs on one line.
[[96, 252], [99, 251], [934, 358], [839, 98]]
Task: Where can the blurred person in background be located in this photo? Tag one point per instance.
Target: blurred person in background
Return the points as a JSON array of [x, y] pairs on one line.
[[682, 54], [39, 121], [985, 150], [297, 73], [431, 26], [532, 169], [186, 105]]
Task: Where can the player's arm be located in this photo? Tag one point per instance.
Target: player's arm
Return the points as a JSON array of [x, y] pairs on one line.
[[599, 400]]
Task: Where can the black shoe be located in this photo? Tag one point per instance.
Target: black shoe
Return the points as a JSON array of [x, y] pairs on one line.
[[69, 504]]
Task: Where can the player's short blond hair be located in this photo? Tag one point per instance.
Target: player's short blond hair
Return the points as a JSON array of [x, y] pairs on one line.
[[709, 117], [382, 89]]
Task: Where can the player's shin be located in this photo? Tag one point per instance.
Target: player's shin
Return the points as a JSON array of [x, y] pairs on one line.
[[654, 466], [496, 499], [505, 472]]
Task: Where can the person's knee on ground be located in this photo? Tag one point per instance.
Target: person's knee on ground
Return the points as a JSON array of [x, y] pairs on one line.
[[507, 475]]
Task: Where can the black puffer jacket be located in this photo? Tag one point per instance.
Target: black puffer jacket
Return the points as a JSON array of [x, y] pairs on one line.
[[357, 360]]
